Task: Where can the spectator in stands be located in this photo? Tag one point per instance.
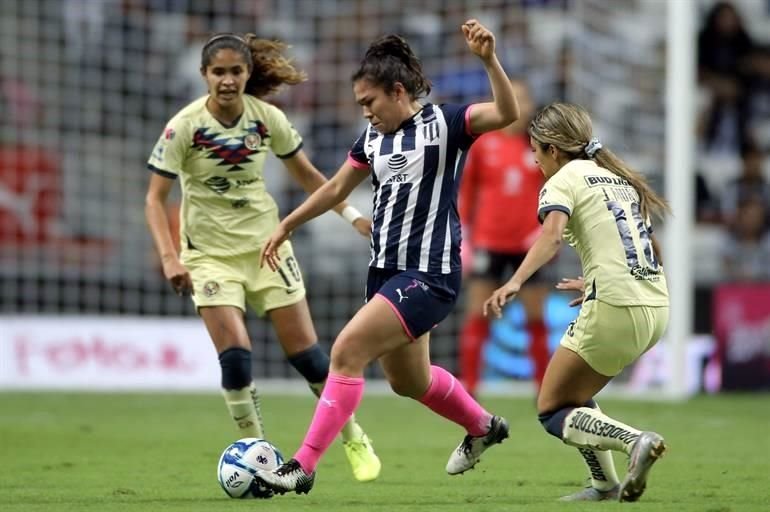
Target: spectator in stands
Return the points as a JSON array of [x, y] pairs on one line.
[[746, 255], [603, 208], [706, 205], [218, 145], [501, 171], [751, 184], [725, 52], [21, 108], [415, 154]]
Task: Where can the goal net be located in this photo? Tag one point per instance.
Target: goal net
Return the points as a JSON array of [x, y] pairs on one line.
[[86, 88]]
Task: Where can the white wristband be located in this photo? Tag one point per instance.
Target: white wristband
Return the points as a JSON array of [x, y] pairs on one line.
[[351, 214]]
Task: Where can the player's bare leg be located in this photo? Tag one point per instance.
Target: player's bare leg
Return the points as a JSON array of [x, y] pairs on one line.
[[569, 382], [295, 330], [228, 332]]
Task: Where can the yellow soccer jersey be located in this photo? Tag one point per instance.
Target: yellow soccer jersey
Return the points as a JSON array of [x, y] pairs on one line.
[[226, 209], [607, 230]]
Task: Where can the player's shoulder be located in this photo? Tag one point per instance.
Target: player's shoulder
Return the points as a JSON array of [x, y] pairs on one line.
[[448, 110], [261, 108], [576, 172], [189, 113]]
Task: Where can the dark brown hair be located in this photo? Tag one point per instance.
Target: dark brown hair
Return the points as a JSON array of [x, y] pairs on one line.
[[269, 68], [389, 60]]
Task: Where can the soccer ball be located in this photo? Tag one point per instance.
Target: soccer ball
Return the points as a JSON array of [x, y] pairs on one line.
[[240, 461]]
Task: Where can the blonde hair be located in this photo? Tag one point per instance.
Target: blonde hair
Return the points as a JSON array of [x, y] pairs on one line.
[[568, 127]]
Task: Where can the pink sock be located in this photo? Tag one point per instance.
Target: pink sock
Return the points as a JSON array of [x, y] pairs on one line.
[[340, 398], [447, 397]]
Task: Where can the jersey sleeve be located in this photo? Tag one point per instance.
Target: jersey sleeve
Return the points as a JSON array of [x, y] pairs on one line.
[[458, 123], [168, 155], [285, 141], [357, 154], [558, 194]]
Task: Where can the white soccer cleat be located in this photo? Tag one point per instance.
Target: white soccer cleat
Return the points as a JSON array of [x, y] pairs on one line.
[[289, 476], [468, 453]]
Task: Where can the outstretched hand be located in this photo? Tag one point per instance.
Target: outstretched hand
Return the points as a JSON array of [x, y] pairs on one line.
[[500, 298], [270, 252], [479, 38], [576, 285]]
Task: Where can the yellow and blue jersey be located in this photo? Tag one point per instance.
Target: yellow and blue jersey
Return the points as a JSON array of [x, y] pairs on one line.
[[226, 209], [608, 232]]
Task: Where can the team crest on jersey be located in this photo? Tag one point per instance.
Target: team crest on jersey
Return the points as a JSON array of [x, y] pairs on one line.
[[232, 152], [169, 134], [252, 141], [211, 288]]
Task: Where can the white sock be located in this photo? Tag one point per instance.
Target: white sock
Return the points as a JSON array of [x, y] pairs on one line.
[[601, 466], [244, 408], [590, 428]]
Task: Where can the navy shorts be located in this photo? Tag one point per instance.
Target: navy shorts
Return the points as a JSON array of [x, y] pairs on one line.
[[420, 299]]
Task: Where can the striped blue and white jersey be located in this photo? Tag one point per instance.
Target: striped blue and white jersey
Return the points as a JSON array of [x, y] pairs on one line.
[[416, 175]]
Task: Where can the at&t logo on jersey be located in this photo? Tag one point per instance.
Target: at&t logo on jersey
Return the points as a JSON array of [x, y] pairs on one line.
[[397, 162]]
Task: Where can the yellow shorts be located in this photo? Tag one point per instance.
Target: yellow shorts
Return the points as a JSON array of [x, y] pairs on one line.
[[609, 338], [239, 280]]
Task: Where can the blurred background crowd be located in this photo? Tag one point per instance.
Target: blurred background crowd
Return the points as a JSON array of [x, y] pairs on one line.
[[87, 86]]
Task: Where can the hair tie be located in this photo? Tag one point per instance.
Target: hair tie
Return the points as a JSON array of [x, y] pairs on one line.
[[592, 147]]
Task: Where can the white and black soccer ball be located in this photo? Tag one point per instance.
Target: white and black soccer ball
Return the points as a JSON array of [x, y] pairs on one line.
[[240, 461]]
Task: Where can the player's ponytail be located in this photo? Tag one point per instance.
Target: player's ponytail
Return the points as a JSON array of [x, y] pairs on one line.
[[568, 127], [270, 68], [390, 59], [649, 201]]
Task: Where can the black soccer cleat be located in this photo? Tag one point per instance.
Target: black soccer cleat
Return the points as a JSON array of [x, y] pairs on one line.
[[289, 476], [465, 456]]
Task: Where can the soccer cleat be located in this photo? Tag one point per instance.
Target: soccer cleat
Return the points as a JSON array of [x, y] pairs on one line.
[[364, 462], [647, 449], [467, 454], [289, 476], [591, 493]]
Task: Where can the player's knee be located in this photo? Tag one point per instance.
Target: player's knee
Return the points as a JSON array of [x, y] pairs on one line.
[[553, 422], [312, 364], [236, 368], [406, 389], [348, 356]]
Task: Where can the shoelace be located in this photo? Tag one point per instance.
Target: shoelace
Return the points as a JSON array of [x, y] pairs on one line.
[[287, 468], [467, 445], [357, 446]]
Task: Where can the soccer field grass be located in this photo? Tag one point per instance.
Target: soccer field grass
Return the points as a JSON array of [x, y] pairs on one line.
[[150, 452]]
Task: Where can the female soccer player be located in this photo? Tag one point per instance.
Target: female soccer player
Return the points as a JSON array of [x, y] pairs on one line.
[[414, 153], [501, 170], [602, 208], [218, 145]]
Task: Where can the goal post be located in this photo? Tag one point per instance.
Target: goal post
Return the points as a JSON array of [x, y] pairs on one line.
[[679, 182]]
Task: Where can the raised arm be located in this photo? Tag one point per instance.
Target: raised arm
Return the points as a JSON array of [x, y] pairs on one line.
[[322, 200], [504, 110]]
